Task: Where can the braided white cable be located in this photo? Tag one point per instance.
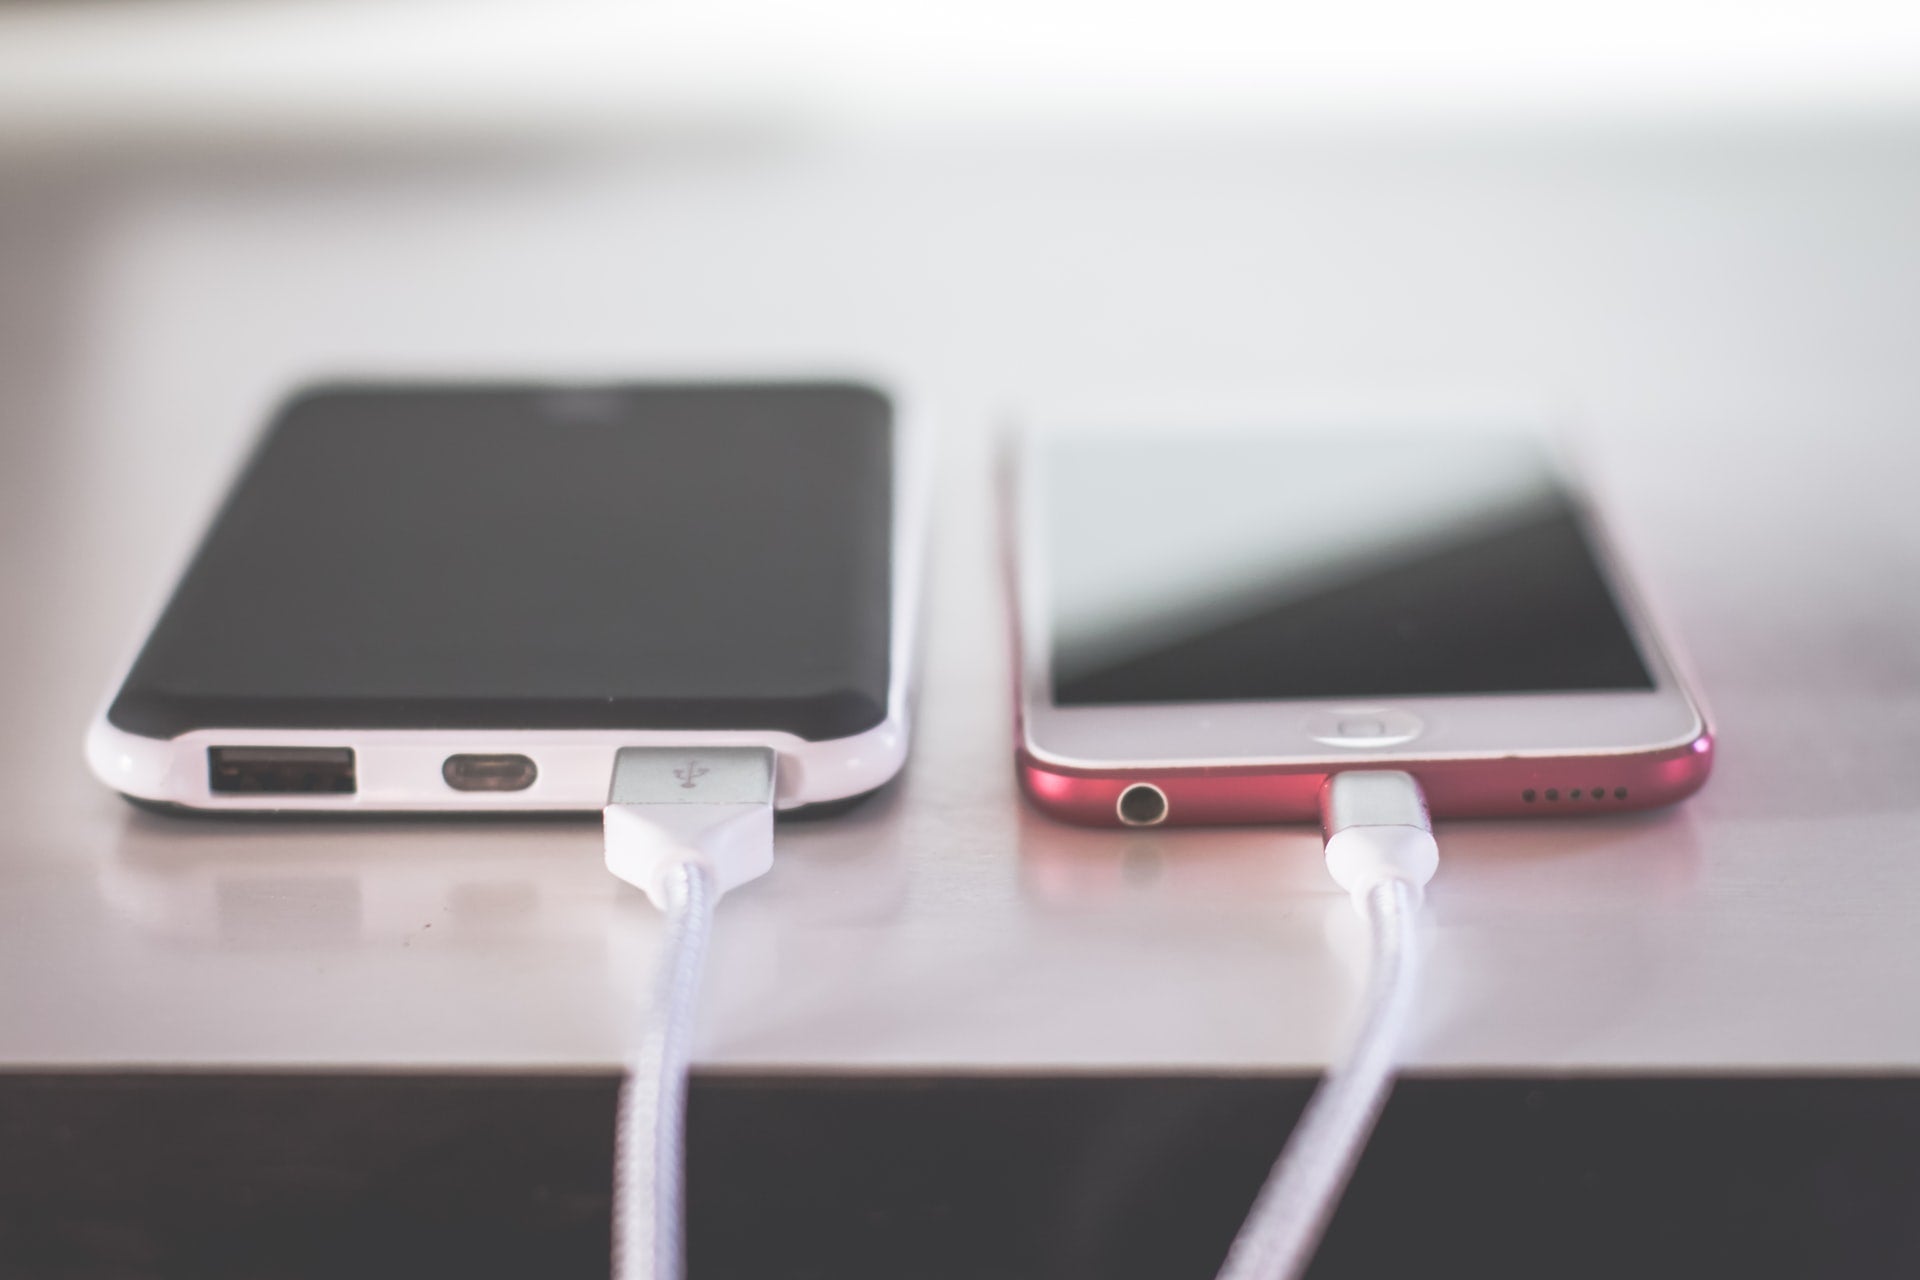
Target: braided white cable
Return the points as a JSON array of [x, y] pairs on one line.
[[649, 1225], [1282, 1231]]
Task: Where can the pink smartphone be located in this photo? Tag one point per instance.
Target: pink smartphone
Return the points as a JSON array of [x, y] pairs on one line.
[[1210, 624]]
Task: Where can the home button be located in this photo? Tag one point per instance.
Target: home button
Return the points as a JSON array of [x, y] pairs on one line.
[[1362, 728]]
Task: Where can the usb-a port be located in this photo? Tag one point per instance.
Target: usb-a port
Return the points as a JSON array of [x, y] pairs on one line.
[[283, 771]]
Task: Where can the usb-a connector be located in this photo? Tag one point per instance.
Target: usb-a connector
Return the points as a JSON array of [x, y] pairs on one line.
[[671, 805]]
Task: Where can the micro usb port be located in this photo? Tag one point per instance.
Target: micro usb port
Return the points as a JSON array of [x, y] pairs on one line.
[[282, 771]]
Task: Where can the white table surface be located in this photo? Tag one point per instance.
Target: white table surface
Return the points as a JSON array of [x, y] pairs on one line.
[[1733, 313]]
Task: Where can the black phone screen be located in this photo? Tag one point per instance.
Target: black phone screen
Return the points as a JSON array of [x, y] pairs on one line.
[[513, 557], [1210, 569]]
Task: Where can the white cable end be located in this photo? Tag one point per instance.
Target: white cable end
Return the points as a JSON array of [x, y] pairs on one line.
[[734, 844], [1362, 858], [668, 807], [1377, 830]]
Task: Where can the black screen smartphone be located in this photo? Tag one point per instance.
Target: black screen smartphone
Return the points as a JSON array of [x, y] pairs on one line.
[[462, 597]]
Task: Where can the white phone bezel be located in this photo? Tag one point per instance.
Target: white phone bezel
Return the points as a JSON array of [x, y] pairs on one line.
[[399, 770], [1289, 733]]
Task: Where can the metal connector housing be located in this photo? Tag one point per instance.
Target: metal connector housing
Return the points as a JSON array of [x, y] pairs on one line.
[[699, 775]]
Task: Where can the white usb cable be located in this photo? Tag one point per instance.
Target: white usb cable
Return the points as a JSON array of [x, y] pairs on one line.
[[685, 826], [1380, 848]]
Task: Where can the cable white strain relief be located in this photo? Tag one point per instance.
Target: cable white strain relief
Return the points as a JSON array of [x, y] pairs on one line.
[[1377, 830], [1361, 858], [733, 842], [712, 807]]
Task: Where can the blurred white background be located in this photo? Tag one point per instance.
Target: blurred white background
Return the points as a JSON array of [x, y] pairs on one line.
[[252, 68]]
